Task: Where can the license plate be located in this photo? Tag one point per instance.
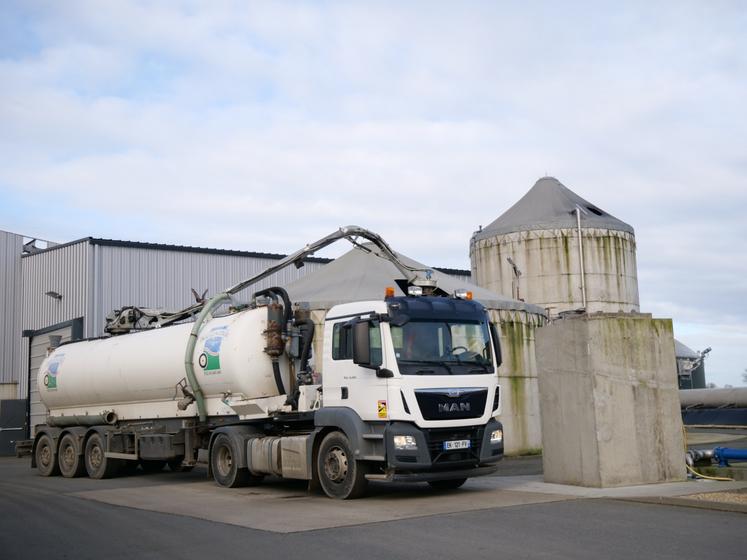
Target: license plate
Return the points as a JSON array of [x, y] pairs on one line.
[[456, 444]]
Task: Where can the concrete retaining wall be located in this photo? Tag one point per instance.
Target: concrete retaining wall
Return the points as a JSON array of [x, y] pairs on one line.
[[609, 399]]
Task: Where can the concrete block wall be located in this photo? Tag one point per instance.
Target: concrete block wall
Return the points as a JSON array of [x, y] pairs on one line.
[[609, 400]]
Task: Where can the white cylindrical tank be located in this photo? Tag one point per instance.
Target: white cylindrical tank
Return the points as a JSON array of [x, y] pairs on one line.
[[532, 253], [148, 366]]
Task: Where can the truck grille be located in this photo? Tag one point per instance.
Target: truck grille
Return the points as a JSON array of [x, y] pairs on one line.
[[451, 404], [437, 437]]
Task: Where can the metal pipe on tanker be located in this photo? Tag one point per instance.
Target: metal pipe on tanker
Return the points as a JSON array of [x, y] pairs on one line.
[[106, 417]]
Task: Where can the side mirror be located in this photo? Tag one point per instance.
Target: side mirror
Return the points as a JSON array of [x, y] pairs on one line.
[[496, 344], [361, 344], [367, 347]]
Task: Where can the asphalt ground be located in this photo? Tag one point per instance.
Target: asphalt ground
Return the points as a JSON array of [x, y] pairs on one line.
[[512, 514]]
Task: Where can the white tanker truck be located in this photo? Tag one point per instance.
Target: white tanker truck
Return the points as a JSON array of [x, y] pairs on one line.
[[408, 393]]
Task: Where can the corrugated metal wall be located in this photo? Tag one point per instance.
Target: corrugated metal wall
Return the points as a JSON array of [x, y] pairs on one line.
[[64, 270], [11, 246], [163, 278]]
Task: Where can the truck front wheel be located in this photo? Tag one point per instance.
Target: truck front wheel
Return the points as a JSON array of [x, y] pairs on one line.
[[340, 475], [46, 458]]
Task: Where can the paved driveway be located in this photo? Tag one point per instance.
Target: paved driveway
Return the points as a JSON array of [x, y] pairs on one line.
[[184, 516]]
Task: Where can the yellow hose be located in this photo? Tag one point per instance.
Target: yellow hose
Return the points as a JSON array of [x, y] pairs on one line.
[[700, 475], [696, 473]]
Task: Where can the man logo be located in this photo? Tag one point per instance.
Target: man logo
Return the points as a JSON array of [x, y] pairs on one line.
[[454, 407]]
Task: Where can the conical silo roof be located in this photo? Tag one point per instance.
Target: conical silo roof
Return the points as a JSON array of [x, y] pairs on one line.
[[682, 351], [551, 205], [362, 274]]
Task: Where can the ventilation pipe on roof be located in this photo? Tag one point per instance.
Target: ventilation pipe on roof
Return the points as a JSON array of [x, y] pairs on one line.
[[581, 256]]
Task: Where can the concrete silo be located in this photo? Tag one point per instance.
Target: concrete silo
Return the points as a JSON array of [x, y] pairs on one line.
[[559, 251]]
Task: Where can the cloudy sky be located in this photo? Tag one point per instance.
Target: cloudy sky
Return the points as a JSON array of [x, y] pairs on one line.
[[262, 126]]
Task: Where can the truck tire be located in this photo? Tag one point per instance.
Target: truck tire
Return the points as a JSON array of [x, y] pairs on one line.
[[71, 463], [340, 475], [224, 464], [97, 464], [450, 484], [45, 457]]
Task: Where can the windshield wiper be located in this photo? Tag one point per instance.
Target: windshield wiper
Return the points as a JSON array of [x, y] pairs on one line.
[[484, 367], [442, 363]]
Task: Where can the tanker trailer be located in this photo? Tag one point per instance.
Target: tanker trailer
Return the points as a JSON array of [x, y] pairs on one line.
[[409, 391]]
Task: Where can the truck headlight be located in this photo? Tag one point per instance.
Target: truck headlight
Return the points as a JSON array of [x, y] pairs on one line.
[[496, 436], [405, 442]]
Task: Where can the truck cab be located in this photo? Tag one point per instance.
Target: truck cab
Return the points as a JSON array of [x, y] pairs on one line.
[[417, 376]]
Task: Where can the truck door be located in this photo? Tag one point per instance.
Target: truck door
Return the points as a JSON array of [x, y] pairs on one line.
[[347, 384]]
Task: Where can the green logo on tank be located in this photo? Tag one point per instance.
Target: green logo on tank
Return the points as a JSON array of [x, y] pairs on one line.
[[53, 368], [210, 358]]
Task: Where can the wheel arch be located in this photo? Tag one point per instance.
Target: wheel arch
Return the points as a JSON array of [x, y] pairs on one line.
[[347, 421]]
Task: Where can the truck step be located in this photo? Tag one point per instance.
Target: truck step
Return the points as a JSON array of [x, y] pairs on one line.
[[377, 477], [113, 455]]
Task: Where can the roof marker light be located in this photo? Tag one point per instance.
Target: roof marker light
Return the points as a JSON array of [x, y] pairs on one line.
[[389, 292], [463, 294], [414, 291]]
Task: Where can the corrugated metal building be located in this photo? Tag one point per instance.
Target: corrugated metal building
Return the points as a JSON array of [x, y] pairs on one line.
[[68, 290], [11, 247]]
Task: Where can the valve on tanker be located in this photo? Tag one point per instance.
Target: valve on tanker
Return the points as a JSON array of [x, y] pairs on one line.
[[187, 397]]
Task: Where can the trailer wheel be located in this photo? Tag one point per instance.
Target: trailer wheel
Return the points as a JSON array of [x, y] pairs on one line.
[[46, 458], [340, 475], [97, 464], [224, 464], [71, 463], [450, 484]]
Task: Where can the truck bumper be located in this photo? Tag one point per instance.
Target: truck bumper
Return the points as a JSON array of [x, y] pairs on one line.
[[433, 475], [431, 460]]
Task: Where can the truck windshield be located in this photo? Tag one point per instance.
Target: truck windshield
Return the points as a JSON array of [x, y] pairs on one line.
[[442, 347]]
